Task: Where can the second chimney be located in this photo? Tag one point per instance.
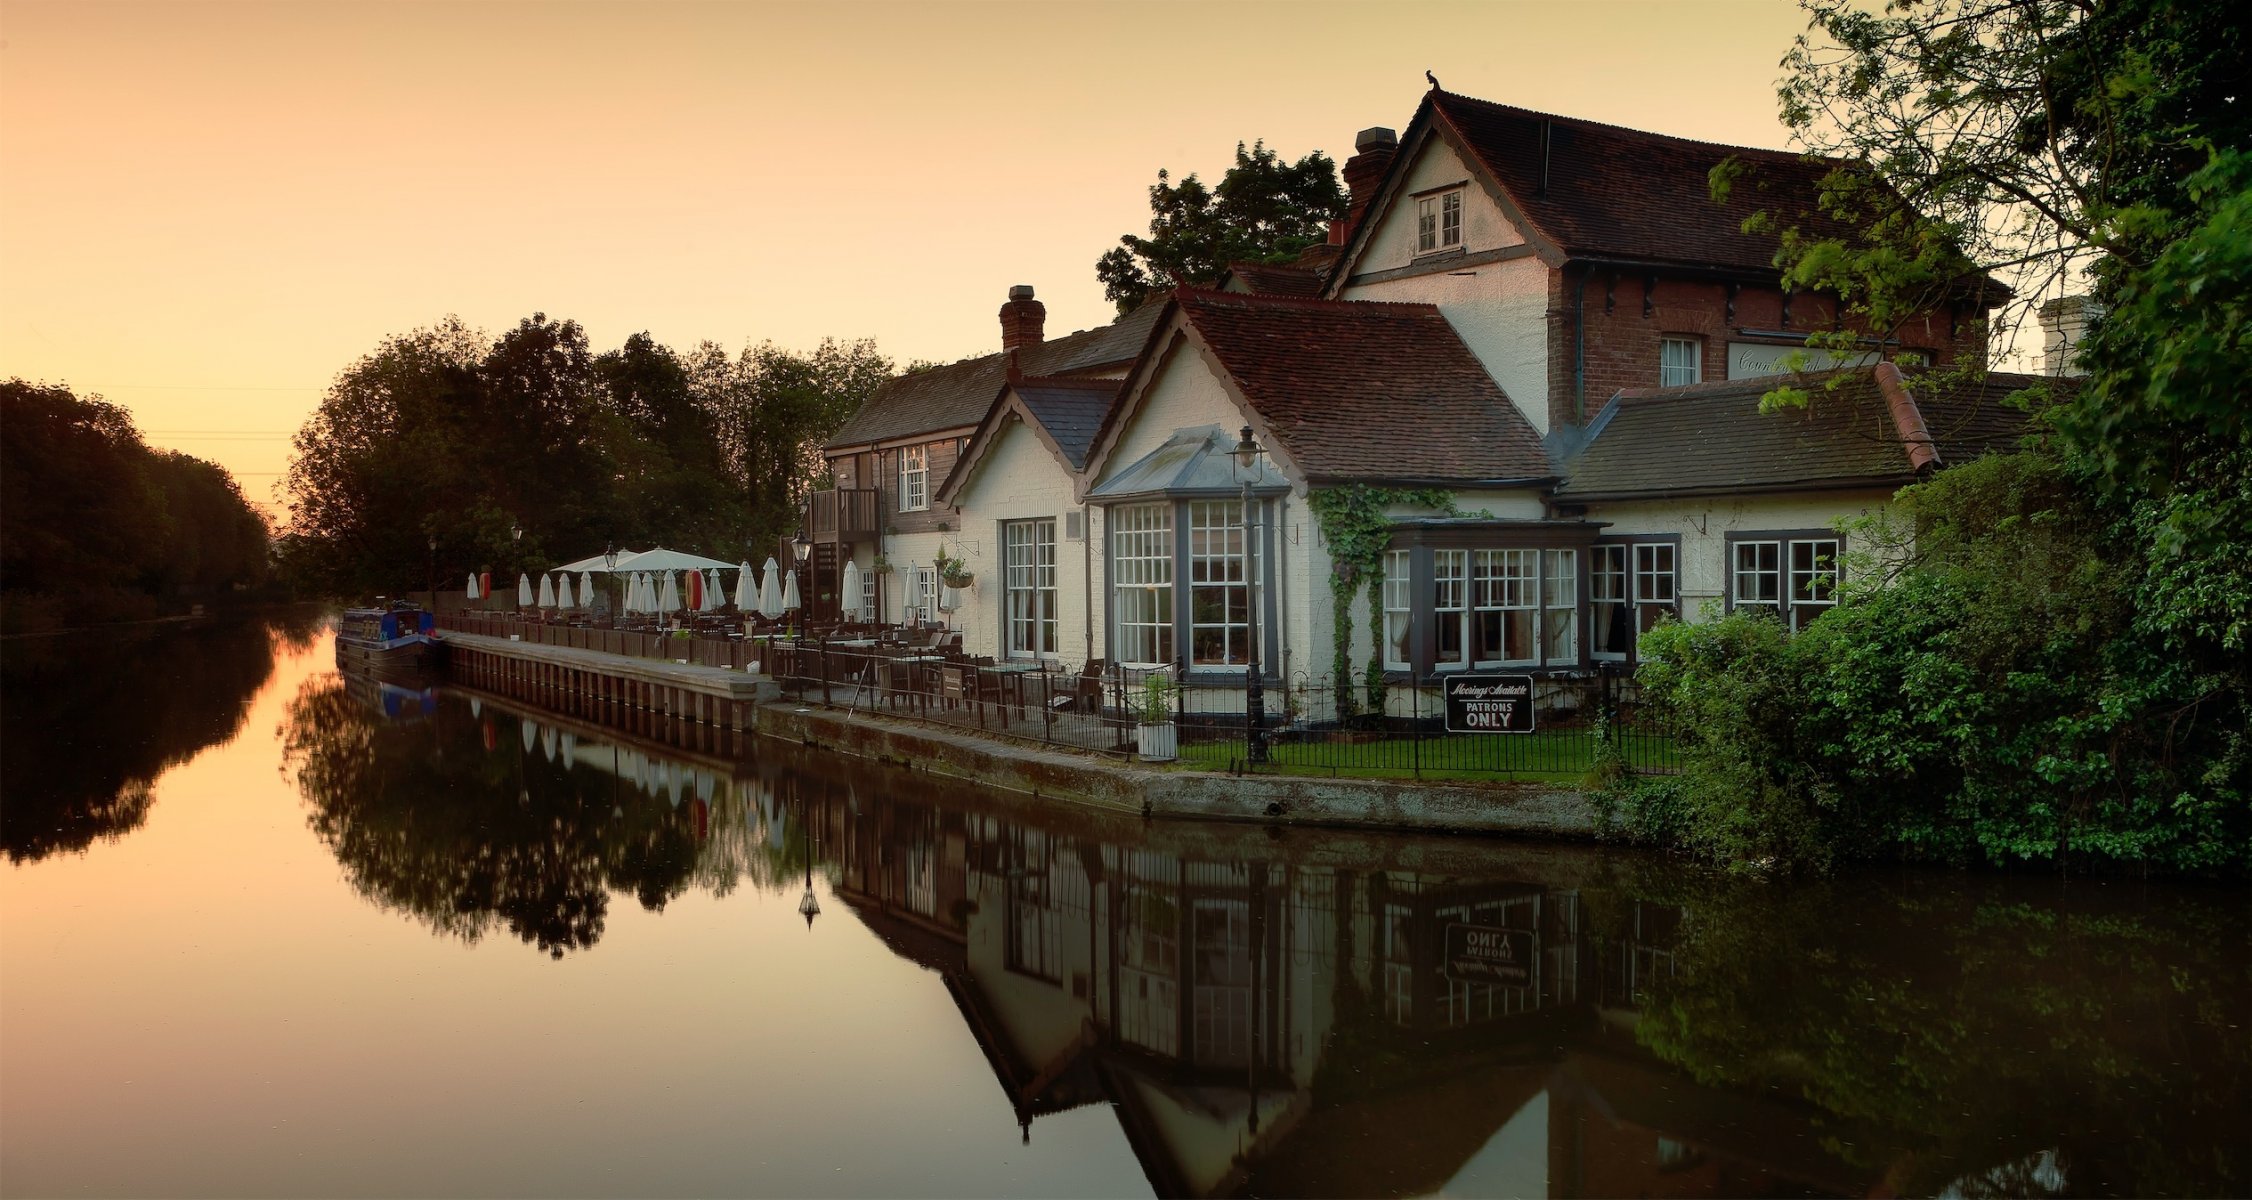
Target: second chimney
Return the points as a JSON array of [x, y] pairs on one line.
[[1024, 320], [2064, 324], [1373, 151]]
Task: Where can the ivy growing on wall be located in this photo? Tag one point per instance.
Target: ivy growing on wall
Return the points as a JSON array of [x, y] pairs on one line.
[[1357, 532]]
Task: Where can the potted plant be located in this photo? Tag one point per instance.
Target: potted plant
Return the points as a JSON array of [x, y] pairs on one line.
[[1153, 713], [881, 566]]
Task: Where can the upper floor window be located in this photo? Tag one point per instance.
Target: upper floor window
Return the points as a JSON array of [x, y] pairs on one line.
[[1438, 221], [914, 478], [1680, 361]]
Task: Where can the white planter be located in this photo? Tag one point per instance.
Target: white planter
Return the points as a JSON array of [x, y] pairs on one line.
[[1159, 743]]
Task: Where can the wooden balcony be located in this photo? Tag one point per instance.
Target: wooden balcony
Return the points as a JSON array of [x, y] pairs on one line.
[[843, 515]]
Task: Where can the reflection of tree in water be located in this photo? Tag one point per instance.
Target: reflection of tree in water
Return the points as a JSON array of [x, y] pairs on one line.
[[443, 818], [2071, 1040], [92, 720]]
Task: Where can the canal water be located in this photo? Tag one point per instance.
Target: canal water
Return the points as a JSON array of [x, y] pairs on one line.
[[266, 931]]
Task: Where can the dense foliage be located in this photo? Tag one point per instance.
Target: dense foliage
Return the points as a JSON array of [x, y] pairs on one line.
[[95, 524], [1265, 210], [2058, 666], [441, 434], [1356, 529]]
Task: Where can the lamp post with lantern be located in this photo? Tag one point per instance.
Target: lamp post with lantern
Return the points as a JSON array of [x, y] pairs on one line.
[[610, 571], [802, 547], [1247, 455]]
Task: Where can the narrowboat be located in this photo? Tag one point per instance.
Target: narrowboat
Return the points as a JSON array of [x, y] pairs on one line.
[[397, 642]]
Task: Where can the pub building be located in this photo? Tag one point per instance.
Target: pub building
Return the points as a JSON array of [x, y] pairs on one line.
[[1543, 331]]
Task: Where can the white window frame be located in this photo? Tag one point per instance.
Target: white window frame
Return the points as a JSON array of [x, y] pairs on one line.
[[1028, 581], [914, 478], [1681, 361], [1656, 571], [1399, 610], [1506, 580], [871, 595], [1610, 583], [1438, 221], [1810, 571], [1141, 587], [1450, 602], [1753, 562], [923, 602], [1559, 629], [1220, 567]]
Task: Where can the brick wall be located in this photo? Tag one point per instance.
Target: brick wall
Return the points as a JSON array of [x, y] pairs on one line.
[[1627, 318]]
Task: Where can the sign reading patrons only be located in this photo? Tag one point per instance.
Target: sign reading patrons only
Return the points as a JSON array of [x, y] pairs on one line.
[[1489, 703], [1489, 954]]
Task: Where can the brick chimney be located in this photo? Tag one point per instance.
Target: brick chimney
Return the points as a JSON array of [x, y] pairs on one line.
[[1374, 148], [1024, 320], [2064, 324]]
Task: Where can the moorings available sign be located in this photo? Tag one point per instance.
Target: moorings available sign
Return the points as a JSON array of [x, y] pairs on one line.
[[1489, 954], [1489, 703]]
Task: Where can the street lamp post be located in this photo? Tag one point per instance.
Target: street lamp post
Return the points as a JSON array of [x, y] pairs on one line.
[[516, 538], [1247, 453], [610, 572], [433, 573], [803, 547]]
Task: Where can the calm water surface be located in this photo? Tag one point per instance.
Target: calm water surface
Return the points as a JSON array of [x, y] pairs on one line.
[[267, 932]]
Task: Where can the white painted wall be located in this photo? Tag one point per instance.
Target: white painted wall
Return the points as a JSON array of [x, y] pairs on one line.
[[1186, 393], [1018, 479], [1484, 225]]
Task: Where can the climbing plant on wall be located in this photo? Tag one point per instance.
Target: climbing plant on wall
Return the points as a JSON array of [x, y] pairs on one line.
[[1357, 532]]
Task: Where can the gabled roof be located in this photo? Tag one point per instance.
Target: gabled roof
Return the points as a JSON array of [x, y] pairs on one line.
[[1585, 190], [1355, 390], [1063, 411], [955, 396], [1711, 437]]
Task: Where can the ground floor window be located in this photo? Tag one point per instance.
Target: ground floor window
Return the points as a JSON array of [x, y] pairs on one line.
[[1186, 579], [1220, 591], [1141, 541], [1795, 577], [1630, 586], [1398, 576], [1029, 586], [922, 596], [1506, 579], [1454, 606]]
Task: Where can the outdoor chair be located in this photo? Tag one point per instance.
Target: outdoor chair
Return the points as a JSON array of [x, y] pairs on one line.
[[1086, 694]]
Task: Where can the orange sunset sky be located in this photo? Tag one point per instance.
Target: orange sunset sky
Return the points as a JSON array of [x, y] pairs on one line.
[[207, 210]]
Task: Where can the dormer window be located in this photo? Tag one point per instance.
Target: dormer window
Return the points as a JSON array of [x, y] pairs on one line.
[[1438, 221]]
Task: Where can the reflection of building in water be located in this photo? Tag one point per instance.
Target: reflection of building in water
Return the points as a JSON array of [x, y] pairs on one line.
[[1272, 1028]]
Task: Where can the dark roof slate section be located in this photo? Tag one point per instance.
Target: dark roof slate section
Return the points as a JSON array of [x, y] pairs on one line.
[[1070, 409], [1362, 390], [1711, 437], [1613, 192], [1272, 279], [957, 395]]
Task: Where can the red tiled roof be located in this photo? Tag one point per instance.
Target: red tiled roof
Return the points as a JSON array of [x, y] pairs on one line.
[[1613, 192], [1362, 390]]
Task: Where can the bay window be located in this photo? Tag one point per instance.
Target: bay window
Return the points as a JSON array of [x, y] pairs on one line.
[[1220, 591], [1397, 609], [1506, 579], [1559, 606], [1450, 570], [1142, 581]]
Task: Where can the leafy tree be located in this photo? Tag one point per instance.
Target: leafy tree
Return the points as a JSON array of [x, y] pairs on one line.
[[771, 409], [1265, 210], [90, 512], [2060, 668]]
